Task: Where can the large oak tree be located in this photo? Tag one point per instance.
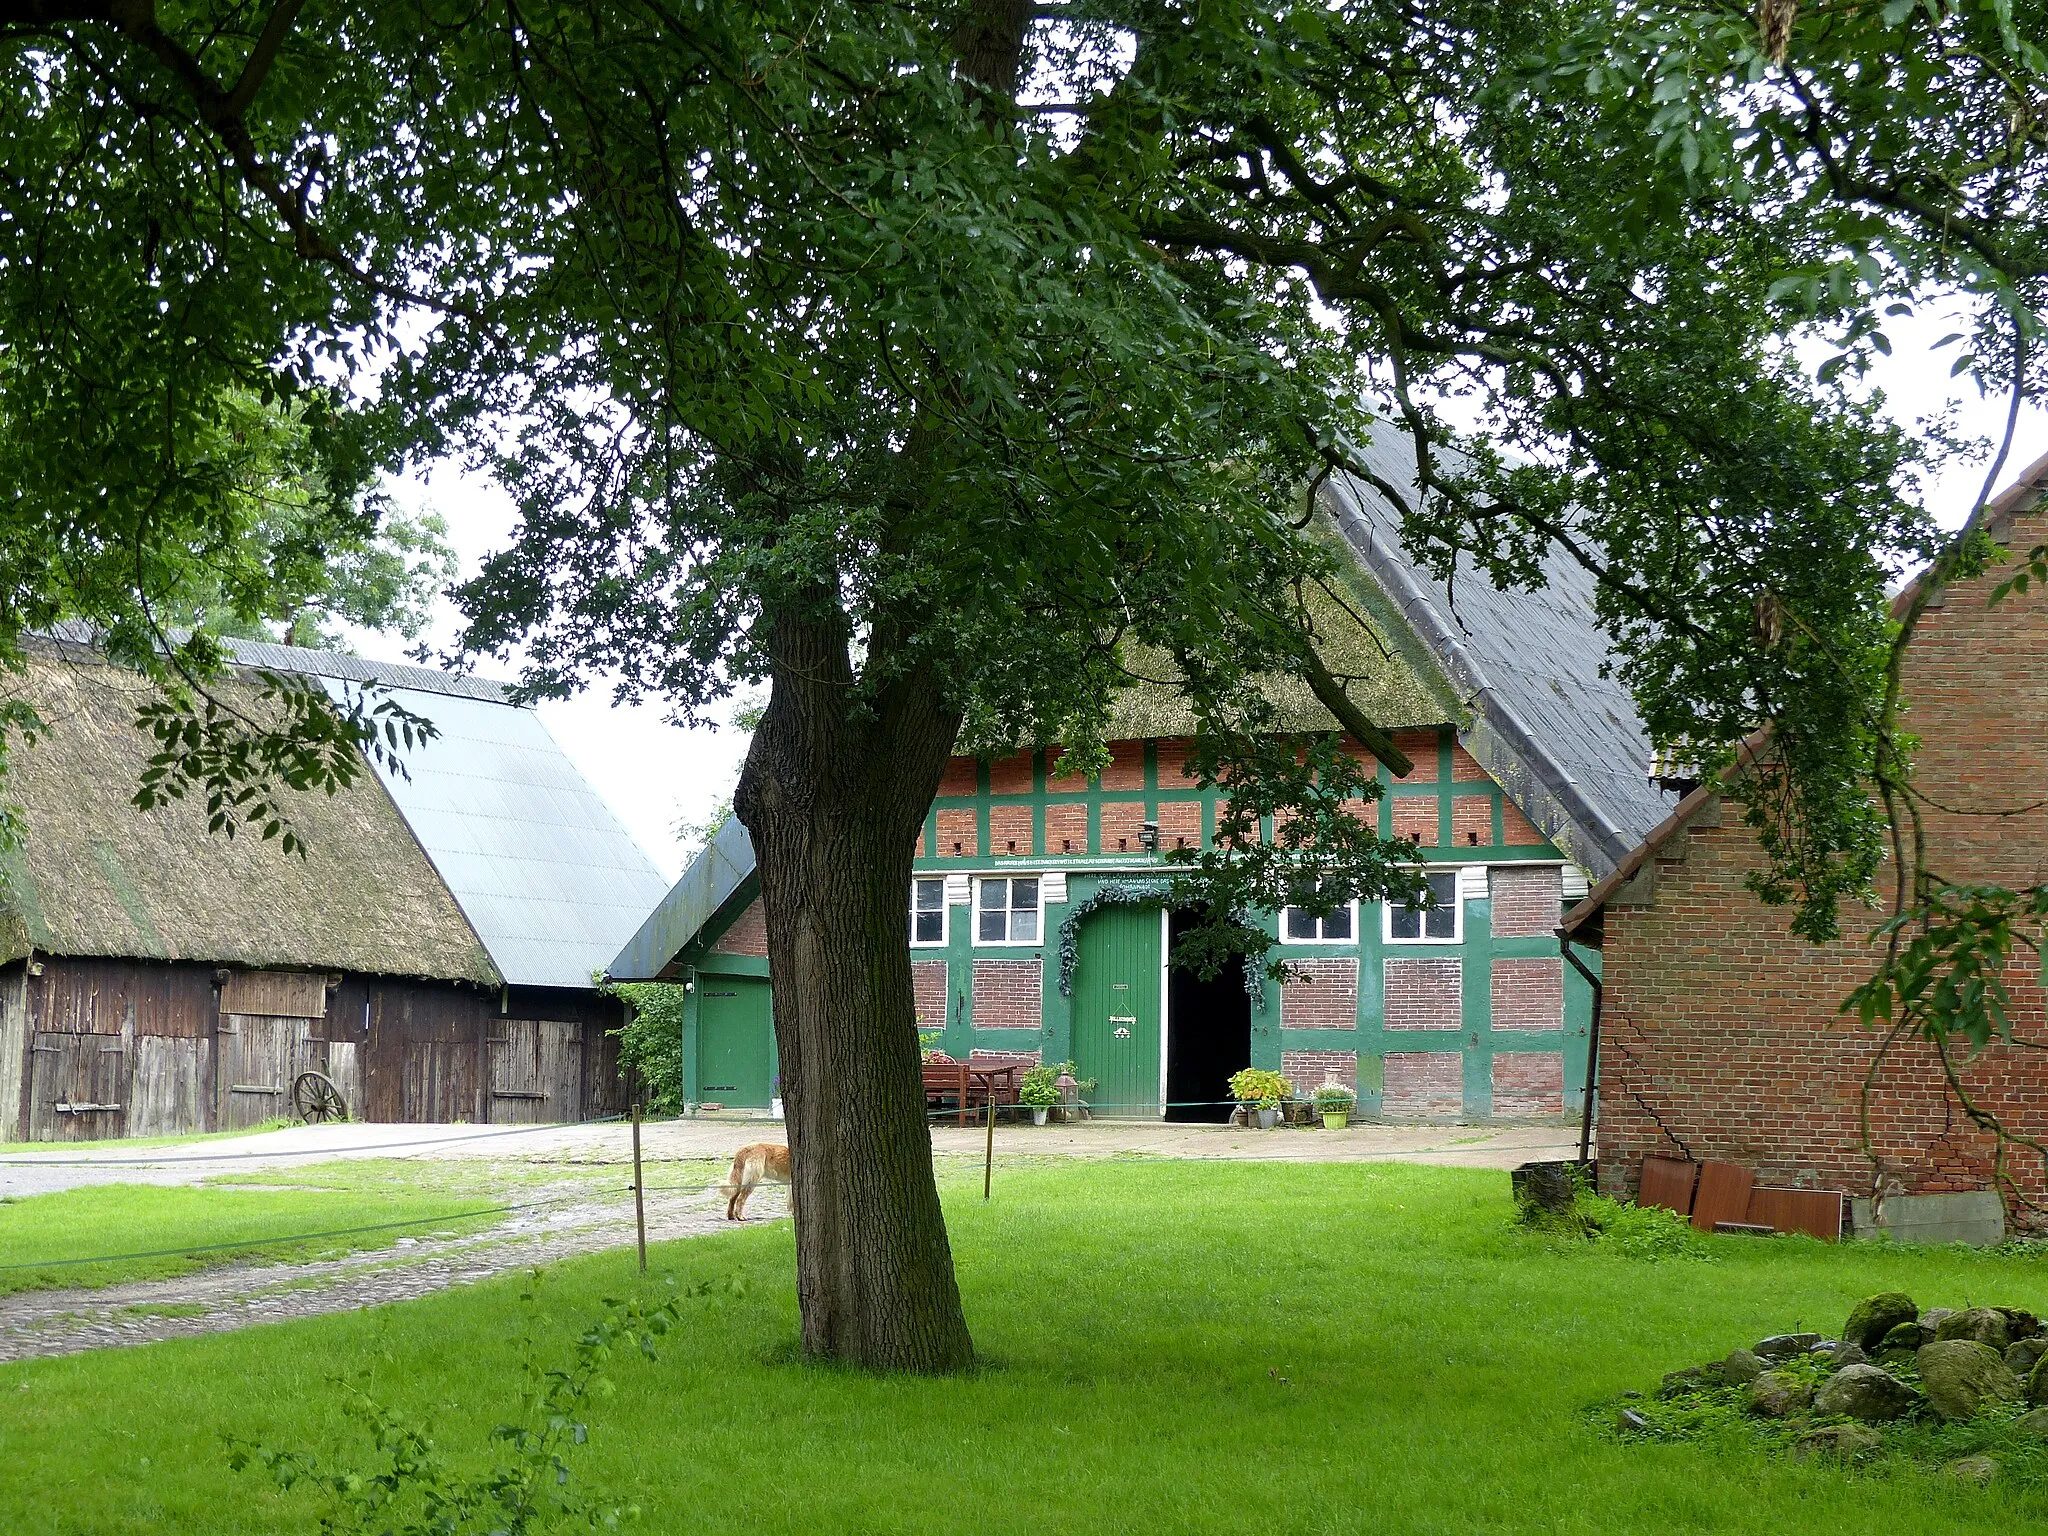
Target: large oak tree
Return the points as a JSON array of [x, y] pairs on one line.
[[930, 360]]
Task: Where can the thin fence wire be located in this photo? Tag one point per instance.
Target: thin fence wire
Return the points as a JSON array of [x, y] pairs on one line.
[[38, 1161]]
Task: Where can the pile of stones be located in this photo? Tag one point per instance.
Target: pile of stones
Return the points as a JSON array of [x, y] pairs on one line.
[[1892, 1363]]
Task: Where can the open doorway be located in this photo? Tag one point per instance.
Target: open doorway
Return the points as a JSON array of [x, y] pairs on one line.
[[1208, 1032]]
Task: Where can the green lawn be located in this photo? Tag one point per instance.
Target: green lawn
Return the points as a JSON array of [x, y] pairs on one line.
[[149, 1231], [1170, 1346]]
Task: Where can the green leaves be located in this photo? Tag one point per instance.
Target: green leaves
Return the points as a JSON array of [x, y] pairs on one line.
[[407, 1487], [241, 747], [1950, 963]]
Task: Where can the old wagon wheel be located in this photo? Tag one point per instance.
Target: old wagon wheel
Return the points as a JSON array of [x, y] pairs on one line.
[[316, 1100]]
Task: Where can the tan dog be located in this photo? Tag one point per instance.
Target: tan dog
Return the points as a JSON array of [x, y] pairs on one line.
[[750, 1165]]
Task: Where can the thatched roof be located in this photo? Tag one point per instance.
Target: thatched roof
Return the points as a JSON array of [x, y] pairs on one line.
[[1360, 636], [95, 876]]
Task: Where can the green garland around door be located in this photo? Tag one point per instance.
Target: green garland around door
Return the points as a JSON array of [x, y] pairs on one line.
[[1134, 893]]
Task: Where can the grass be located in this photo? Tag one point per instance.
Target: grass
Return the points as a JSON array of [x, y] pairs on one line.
[[1167, 1346], [151, 1231]]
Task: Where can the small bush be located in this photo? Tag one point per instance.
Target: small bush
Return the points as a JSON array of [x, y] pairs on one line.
[[651, 1043], [1648, 1233]]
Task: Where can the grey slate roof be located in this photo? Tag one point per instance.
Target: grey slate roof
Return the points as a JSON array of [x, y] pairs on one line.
[[354, 669], [1564, 742], [713, 876]]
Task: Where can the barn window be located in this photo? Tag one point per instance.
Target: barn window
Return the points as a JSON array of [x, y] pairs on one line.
[[1298, 925], [927, 913], [1443, 922], [1007, 911]]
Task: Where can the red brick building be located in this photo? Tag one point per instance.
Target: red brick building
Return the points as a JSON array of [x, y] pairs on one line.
[[1721, 1036]]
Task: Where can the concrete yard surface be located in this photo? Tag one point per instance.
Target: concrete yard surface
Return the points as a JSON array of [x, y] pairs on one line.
[[41, 1169]]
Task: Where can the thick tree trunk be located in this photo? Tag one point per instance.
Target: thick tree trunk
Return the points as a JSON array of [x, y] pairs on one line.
[[834, 792]]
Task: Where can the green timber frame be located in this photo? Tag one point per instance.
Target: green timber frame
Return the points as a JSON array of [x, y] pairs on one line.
[[1489, 1025]]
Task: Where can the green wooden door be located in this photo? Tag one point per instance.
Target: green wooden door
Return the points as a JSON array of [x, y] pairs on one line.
[[1116, 1009], [735, 1041]]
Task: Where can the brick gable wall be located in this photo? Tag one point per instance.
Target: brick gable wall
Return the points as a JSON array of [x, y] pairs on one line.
[[1721, 1035], [1425, 994], [748, 934], [1320, 994], [1526, 902], [928, 990], [1007, 994]]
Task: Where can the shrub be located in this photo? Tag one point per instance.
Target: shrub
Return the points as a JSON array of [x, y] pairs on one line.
[[1257, 1086], [651, 1043], [1040, 1088]]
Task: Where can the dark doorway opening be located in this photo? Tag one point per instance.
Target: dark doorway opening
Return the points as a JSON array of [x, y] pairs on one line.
[[1208, 1032]]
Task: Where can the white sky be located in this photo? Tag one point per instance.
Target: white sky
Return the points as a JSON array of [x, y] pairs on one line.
[[655, 774]]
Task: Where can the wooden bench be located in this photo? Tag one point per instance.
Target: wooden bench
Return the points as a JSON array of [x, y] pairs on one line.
[[945, 1078]]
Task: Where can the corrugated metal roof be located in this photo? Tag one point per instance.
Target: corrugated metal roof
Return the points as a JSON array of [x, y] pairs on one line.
[[1564, 741], [547, 876], [721, 869]]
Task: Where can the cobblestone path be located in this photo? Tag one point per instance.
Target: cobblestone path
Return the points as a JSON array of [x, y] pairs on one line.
[[217, 1300]]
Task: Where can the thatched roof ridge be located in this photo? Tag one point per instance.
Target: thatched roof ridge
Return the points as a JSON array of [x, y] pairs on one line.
[[1362, 638], [97, 877]]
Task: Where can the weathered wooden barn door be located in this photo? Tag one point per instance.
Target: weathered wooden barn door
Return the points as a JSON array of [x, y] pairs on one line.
[[272, 1026], [536, 1071], [77, 1086]]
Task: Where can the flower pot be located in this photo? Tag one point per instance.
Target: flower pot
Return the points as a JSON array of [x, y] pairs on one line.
[[1038, 1115], [1266, 1119], [1336, 1119]]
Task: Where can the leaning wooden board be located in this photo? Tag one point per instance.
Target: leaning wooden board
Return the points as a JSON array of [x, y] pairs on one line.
[[1723, 1195], [1816, 1212], [1668, 1182]]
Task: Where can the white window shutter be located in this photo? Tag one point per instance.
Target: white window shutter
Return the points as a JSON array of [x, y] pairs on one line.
[[1052, 887], [1575, 886], [1472, 882], [957, 892]]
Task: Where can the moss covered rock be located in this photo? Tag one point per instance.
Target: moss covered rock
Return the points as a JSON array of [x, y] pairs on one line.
[[1872, 1318], [2037, 1382], [1907, 1336], [1779, 1395], [1740, 1367], [1980, 1325], [1867, 1393], [1843, 1442], [1962, 1377], [1974, 1469]]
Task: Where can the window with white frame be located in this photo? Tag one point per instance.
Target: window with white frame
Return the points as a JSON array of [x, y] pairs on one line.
[[927, 912], [1442, 922], [1006, 911], [1300, 925]]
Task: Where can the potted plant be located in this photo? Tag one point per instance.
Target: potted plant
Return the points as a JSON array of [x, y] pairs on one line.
[[1040, 1090], [1260, 1092], [1335, 1102]]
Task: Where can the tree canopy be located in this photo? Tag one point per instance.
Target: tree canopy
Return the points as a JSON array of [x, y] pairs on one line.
[[923, 358]]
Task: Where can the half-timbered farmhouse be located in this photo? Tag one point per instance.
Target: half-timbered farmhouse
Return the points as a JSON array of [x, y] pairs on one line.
[[433, 953], [1721, 1035], [1031, 932]]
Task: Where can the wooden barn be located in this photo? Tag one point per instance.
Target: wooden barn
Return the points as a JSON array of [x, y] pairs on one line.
[[432, 954], [1032, 932]]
